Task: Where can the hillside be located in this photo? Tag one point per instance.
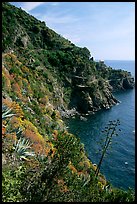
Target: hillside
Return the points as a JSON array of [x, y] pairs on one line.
[[45, 78]]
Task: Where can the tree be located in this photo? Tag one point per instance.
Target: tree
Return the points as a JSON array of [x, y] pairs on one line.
[[109, 131]]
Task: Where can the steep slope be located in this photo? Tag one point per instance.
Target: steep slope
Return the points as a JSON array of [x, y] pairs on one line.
[[43, 75], [82, 82]]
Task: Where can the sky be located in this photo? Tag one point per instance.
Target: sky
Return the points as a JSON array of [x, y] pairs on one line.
[[107, 29]]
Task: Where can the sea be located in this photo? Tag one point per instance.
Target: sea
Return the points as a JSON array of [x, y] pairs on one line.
[[118, 165]]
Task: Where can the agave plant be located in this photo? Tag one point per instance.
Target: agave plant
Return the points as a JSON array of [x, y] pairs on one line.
[[18, 132], [22, 148], [6, 112]]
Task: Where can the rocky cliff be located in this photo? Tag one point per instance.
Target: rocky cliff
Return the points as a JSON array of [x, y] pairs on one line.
[[117, 78], [70, 73]]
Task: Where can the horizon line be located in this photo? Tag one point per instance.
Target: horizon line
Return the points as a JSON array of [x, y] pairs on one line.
[[115, 59]]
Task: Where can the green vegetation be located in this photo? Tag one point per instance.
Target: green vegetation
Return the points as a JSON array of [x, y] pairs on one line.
[[64, 174], [44, 75]]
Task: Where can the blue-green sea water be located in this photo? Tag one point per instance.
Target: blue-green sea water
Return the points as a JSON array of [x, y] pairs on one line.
[[119, 164]]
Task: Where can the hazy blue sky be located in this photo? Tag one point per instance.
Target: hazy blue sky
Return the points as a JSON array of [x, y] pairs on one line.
[[107, 29]]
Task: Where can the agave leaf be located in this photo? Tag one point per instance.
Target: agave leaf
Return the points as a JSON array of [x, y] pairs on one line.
[[21, 148], [5, 112]]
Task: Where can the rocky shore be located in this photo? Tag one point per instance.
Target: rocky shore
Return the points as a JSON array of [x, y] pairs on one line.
[[87, 100]]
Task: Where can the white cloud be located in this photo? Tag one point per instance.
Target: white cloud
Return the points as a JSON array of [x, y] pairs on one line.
[[28, 6]]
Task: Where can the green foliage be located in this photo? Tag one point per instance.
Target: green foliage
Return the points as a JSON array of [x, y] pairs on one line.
[[36, 29], [3, 82], [11, 182], [118, 195], [69, 148], [14, 70]]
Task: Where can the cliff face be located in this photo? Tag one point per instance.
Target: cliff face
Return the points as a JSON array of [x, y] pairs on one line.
[[122, 83], [89, 99], [118, 79]]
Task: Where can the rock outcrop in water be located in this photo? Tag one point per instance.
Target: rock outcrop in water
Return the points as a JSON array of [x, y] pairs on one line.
[[122, 83], [117, 78]]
